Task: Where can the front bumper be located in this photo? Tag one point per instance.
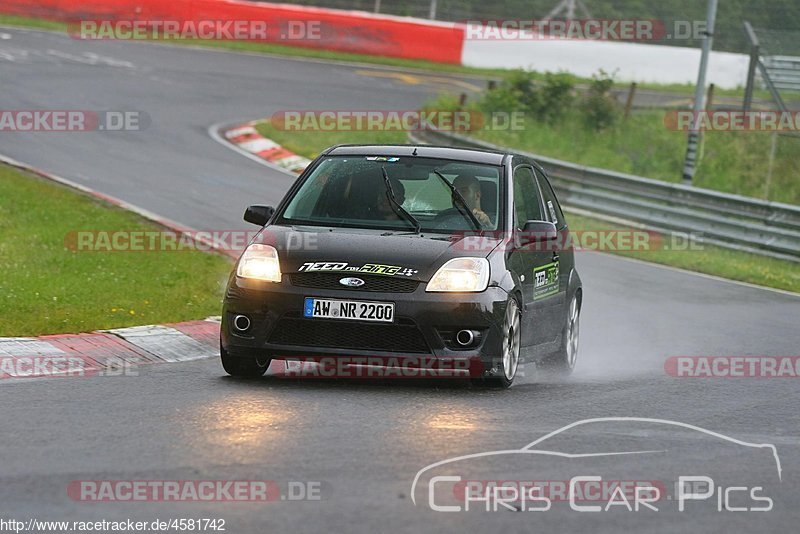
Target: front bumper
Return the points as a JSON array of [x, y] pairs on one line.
[[424, 327]]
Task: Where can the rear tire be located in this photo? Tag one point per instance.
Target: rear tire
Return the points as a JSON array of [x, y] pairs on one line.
[[509, 361], [563, 361], [242, 367]]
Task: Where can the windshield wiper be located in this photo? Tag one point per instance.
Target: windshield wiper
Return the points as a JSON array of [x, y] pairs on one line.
[[467, 212], [398, 208]]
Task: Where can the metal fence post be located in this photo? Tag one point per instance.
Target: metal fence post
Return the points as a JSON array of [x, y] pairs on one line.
[[710, 97], [755, 55], [629, 101], [690, 164]]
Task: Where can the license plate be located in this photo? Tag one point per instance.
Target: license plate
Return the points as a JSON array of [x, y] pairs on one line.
[[354, 310]]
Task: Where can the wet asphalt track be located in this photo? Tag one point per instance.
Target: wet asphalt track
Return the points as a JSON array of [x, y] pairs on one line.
[[363, 440]]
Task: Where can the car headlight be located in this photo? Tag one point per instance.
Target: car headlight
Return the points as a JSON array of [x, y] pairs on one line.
[[260, 262], [461, 275]]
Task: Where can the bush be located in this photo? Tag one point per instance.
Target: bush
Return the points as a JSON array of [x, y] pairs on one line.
[[556, 96], [599, 108], [545, 101]]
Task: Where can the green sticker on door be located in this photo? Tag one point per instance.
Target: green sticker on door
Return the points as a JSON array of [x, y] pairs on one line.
[[545, 280]]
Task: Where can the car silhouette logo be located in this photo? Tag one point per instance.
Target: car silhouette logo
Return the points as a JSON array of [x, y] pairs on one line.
[[351, 282]]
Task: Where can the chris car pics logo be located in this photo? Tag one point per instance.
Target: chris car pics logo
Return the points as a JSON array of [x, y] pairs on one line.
[[659, 476]]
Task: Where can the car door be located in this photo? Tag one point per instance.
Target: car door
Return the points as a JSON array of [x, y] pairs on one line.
[[564, 257], [530, 263]]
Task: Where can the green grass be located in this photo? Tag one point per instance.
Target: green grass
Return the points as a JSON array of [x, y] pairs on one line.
[[687, 89], [709, 259], [29, 22], [718, 261], [46, 288], [733, 162]]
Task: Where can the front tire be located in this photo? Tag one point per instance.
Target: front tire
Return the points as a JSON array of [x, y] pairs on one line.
[[509, 361], [242, 367]]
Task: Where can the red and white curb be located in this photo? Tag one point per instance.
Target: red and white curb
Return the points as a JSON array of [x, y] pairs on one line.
[[108, 352], [112, 352], [247, 139]]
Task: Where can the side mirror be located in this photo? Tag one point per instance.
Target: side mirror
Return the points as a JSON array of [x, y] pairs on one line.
[[259, 215], [537, 232]]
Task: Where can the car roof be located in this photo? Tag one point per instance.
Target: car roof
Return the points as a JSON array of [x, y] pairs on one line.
[[423, 151]]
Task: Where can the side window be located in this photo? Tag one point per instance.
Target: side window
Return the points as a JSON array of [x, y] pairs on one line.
[[526, 197], [551, 206]]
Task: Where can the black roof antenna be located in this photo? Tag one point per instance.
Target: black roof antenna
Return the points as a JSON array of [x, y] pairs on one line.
[[415, 152]]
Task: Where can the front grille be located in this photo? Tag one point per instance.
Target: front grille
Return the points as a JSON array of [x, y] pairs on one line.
[[385, 284], [403, 336]]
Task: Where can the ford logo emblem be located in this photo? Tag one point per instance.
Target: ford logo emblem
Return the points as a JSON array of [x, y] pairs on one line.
[[351, 282]]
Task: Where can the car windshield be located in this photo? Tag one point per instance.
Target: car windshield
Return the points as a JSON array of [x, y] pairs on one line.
[[352, 191]]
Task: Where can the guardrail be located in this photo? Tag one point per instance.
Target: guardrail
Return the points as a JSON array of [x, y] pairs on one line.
[[732, 221], [784, 71]]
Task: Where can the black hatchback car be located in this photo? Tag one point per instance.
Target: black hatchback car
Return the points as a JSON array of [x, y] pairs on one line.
[[408, 253]]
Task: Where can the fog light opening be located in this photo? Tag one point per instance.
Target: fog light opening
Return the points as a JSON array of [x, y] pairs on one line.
[[467, 338], [241, 323]]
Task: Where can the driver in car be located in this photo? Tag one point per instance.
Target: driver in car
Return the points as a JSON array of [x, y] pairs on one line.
[[470, 189]]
